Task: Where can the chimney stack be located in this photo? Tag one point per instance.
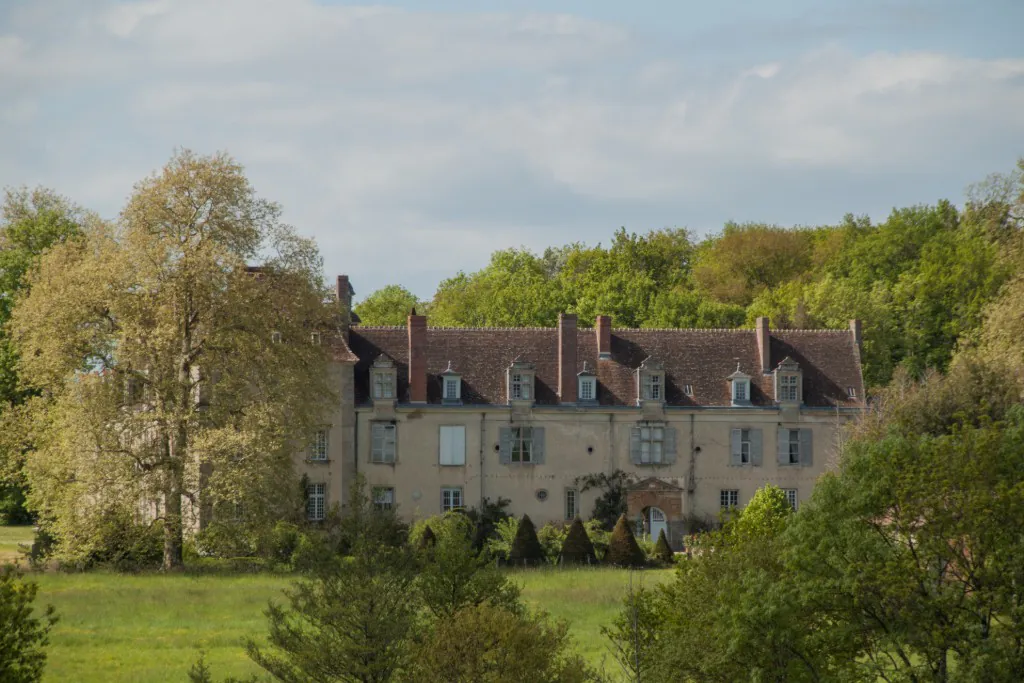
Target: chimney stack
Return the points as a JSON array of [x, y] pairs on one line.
[[344, 293], [764, 344], [604, 337], [417, 327], [855, 329], [567, 358]]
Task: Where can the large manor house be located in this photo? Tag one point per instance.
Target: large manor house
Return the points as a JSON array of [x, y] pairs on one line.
[[440, 418]]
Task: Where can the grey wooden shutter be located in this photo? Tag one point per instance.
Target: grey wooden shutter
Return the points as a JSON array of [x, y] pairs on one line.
[[756, 447], [538, 445], [806, 448], [669, 446], [736, 449], [505, 445], [634, 445], [783, 446]]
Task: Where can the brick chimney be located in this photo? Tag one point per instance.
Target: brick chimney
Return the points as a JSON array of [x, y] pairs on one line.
[[567, 358], [604, 337], [764, 344], [855, 330], [344, 293], [417, 358]]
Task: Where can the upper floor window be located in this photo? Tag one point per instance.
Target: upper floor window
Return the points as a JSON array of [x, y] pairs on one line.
[[382, 378], [788, 379], [451, 386], [745, 447], [520, 381], [521, 445], [652, 443], [384, 445], [796, 447], [651, 375], [452, 443], [587, 386], [318, 449], [739, 387]]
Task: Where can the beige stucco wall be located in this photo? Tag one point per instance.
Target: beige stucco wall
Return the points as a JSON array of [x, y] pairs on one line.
[[339, 469], [417, 476]]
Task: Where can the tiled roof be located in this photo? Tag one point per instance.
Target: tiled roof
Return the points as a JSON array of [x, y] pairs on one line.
[[702, 359]]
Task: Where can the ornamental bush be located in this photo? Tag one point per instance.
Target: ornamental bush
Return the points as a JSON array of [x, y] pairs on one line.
[[526, 547], [623, 550], [577, 548], [663, 551]]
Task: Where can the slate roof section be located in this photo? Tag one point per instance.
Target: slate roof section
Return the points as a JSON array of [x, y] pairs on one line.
[[702, 359]]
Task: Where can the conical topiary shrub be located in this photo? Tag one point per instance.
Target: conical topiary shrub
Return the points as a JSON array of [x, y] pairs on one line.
[[622, 548], [577, 548], [526, 547], [427, 538], [662, 550]]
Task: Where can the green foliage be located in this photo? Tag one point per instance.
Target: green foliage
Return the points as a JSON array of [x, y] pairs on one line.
[[577, 547], [487, 644], [526, 548], [427, 539], [765, 516], [24, 633], [663, 551], [390, 305], [551, 537], [635, 636], [623, 550], [500, 545], [611, 504]]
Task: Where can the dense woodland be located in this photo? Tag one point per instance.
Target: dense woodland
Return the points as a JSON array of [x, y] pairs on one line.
[[906, 565]]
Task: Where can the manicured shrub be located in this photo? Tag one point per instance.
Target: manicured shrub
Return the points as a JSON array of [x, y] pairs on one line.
[[577, 548], [663, 551], [623, 550], [526, 547]]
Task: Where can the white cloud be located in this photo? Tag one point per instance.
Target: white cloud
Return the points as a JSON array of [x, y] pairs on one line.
[[413, 144]]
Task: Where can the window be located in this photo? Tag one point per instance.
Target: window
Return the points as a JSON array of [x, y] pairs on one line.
[[451, 389], [588, 388], [851, 392], [789, 388], [383, 498], [384, 436], [793, 446], [729, 498], [791, 497], [688, 390], [451, 498], [739, 390], [521, 386], [745, 448], [316, 501], [572, 510], [275, 337], [652, 445], [382, 385], [522, 444], [652, 387], [314, 338], [451, 386], [452, 445], [318, 450]]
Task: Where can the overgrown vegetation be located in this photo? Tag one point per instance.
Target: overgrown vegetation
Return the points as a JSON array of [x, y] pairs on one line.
[[24, 633]]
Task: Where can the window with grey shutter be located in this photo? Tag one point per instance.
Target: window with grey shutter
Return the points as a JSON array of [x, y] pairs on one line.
[[634, 445], [806, 445], [756, 448], [538, 446], [783, 446], [736, 447], [670, 445], [505, 439]]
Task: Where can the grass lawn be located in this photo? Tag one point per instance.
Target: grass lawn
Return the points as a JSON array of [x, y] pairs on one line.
[[10, 539], [151, 628]]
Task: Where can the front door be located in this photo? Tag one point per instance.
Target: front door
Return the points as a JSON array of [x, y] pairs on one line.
[[656, 522]]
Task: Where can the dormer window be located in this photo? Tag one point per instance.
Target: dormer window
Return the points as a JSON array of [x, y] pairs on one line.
[[314, 338], [651, 379], [520, 381], [788, 382], [275, 337], [382, 379], [739, 388], [451, 386], [587, 386]]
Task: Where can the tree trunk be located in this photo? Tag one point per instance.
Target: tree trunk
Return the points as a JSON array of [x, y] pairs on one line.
[[172, 520]]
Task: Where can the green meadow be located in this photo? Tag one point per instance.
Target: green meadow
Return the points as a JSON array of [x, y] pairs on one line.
[[150, 628]]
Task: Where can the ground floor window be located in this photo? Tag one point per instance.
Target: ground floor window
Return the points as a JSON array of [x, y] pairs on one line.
[[791, 498], [383, 498], [571, 504], [451, 498], [316, 501], [730, 498]]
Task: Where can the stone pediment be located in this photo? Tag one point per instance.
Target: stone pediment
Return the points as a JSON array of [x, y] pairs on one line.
[[653, 484]]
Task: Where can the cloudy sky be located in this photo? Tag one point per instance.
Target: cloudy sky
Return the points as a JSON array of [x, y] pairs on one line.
[[414, 137]]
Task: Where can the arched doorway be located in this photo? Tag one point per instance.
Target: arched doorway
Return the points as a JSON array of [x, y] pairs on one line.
[[656, 522]]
